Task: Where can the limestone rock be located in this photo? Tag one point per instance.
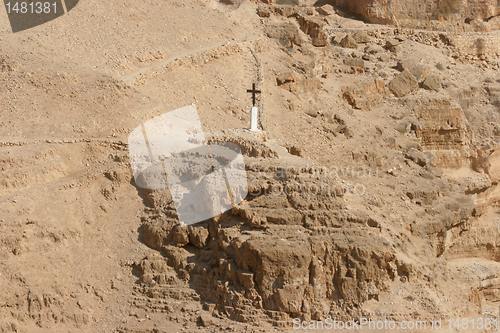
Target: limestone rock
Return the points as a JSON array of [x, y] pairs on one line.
[[413, 14], [264, 11], [481, 162], [356, 63], [154, 234], [374, 49], [326, 10], [443, 131], [420, 158], [494, 166], [487, 199], [294, 150], [180, 236], [391, 43], [296, 83], [206, 320], [348, 42], [445, 216], [403, 84], [285, 10], [314, 28], [275, 267], [420, 71], [369, 57], [312, 113], [473, 183], [361, 37], [246, 279], [338, 37], [198, 236], [396, 49], [305, 4], [366, 95], [432, 82], [494, 92], [384, 57], [209, 307], [319, 37], [287, 33], [287, 80]]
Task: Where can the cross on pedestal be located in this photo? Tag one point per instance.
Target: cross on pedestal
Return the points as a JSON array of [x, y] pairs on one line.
[[255, 110], [253, 92]]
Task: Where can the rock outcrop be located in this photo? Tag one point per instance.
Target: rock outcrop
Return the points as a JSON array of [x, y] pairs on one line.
[[403, 84], [443, 131], [286, 33], [314, 28], [412, 13], [364, 96], [286, 253]]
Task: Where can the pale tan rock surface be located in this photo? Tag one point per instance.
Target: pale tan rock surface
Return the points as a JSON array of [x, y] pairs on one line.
[[378, 206], [413, 13]]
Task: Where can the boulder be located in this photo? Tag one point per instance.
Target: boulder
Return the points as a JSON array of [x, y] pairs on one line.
[[369, 57], [264, 11], [338, 37], [326, 10], [314, 28], [287, 33], [420, 158], [180, 236], [356, 63], [403, 84], [374, 49], [198, 236], [391, 43], [432, 82], [420, 71], [348, 42], [361, 36], [296, 83], [206, 320], [285, 264], [319, 38], [307, 9]]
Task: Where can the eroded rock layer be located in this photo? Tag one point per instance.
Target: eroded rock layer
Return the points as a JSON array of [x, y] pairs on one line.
[[412, 13]]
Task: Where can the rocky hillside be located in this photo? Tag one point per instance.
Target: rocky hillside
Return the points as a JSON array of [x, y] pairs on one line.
[[373, 185]]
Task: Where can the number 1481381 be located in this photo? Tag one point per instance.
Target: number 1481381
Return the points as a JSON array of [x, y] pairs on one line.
[[31, 8]]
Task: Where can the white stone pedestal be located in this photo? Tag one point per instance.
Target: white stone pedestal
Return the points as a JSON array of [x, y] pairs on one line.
[[253, 119]]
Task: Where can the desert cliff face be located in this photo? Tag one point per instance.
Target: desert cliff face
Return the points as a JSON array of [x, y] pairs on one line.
[[373, 185], [420, 14]]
